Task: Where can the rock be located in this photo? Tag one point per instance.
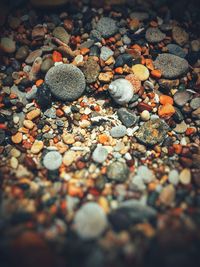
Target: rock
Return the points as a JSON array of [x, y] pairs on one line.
[[7, 45], [28, 124], [61, 34], [66, 82], [100, 154], [95, 35], [185, 176], [43, 97], [30, 95], [94, 51], [22, 53], [134, 81], [181, 127], [129, 213], [105, 77], [181, 98], [33, 114], [2, 136], [38, 32], [167, 195], [90, 221], [17, 138], [107, 27], [52, 160], [173, 177], [176, 50], [91, 70], [33, 56], [118, 131], [127, 117], [179, 35], [106, 53], [145, 115], [152, 132], [171, 66], [123, 59], [69, 157], [195, 103], [118, 172], [154, 35], [37, 147], [141, 72], [145, 174], [68, 138], [47, 63], [50, 113]]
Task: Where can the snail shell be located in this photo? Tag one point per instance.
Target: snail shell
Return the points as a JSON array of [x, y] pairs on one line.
[[121, 90]]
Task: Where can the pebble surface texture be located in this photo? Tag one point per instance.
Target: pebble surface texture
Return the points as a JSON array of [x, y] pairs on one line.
[[107, 27], [66, 82]]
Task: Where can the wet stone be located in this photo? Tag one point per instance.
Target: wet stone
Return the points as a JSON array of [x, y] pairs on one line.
[[61, 34], [179, 35], [7, 45], [176, 50], [33, 56], [46, 64], [181, 127], [152, 132], [43, 96], [91, 70], [22, 53], [123, 59], [127, 117], [118, 172], [154, 35]]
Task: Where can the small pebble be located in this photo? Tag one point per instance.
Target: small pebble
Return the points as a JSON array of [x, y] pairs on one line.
[[145, 115], [185, 176], [7, 45], [52, 160], [173, 177], [37, 147], [118, 171], [141, 72], [118, 131], [100, 154], [69, 157]]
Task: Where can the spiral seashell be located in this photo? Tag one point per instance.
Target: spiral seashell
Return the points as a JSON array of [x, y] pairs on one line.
[[121, 90]]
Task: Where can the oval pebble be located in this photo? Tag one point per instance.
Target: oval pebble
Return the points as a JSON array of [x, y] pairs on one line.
[[118, 131], [185, 176], [141, 72], [100, 154], [52, 160]]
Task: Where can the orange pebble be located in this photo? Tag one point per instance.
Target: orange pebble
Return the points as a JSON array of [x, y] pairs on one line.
[[177, 148], [156, 74], [59, 112], [190, 131], [39, 82], [149, 64], [166, 111], [84, 51], [165, 99], [103, 138], [119, 70], [74, 191], [57, 57], [136, 47]]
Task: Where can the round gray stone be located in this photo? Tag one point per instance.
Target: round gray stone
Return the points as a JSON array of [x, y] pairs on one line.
[[118, 131], [107, 27], [65, 81], [52, 160], [154, 35], [118, 171], [100, 154]]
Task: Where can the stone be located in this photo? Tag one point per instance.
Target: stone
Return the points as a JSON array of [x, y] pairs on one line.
[[135, 82], [107, 27], [173, 177], [7, 45], [100, 154], [118, 172], [90, 221], [61, 34], [176, 50], [69, 157], [145, 174], [118, 131], [68, 139], [38, 32], [141, 72], [154, 35], [195, 103], [50, 113], [152, 132], [95, 35], [141, 16], [22, 53], [181, 98], [123, 59], [33, 114], [33, 56], [66, 82], [106, 53], [94, 51], [179, 35], [91, 70], [181, 127], [47, 63], [14, 163], [185, 176], [52, 160], [171, 66], [145, 115], [105, 77], [37, 147], [30, 95], [127, 117], [17, 138], [28, 124], [14, 22], [167, 195], [2, 136], [43, 96]]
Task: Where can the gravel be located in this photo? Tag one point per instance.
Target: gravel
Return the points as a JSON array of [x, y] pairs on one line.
[[106, 53]]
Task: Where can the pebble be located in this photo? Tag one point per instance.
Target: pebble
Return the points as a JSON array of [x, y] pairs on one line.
[[171, 66], [14, 22], [152, 132], [90, 221], [195, 103], [185, 176], [179, 35], [52, 160], [30, 95], [22, 53], [181, 98], [107, 27], [68, 139], [134, 81], [118, 172], [94, 51], [141, 72], [2, 136], [43, 98], [123, 59], [141, 16], [33, 114], [154, 35], [127, 117], [66, 82], [17, 138], [28, 124], [145, 174], [105, 77], [61, 34], [181, 127], [167, 195], [173, 177], [47, 63], [145, 115], [176, 50], [100, 154], [69, 157], [106, 53], [7, 45], [91, 70], [33, 56], [14, 163], [37, 147], [118, 131]]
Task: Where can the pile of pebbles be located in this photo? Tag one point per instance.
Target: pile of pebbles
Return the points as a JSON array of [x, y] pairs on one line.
[[99, 136]]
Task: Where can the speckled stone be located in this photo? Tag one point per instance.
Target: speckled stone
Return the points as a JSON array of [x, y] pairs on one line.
[[127, 117], [91, 70], [118, 171], [154, 35], [107, 27]]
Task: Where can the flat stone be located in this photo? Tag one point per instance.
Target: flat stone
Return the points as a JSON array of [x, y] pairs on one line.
[[100, 154], [173, 177], [123, 59], [17, 138], [33, 114], [68, 138], [127, 117], [50, 113], [28, 124], [152, 132], [33, 55], [195, 103], [176, 50], [118, 172], [154, 35], [22, 53], [167, 195], [52, 160], [181, 127], [61, 34], [91, 70], [179, 35], [118, 131], [141, 72], [171, 66], [47, 63], [181, 98], [66, 82], [107, 27], [106, 53]]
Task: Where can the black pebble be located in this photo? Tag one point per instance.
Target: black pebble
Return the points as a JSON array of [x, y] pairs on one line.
[[43, 97]]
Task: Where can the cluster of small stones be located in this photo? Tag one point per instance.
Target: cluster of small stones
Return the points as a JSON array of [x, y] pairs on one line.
[[99, 135]]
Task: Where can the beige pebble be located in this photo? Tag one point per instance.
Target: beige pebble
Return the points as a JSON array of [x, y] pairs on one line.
[[14, 163], [141, 72], [37, 147], [15, 119], [105, 77], [69, 157], [145, 115], [167, 195], [33, 114], [185, 176], [84, 123], [68, 139], [15, 152], [28, 124], [17, 138]]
